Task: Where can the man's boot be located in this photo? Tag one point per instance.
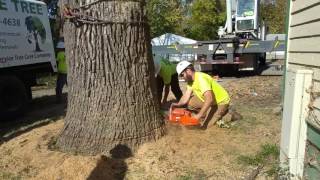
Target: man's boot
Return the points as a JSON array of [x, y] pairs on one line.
[[235, 116]]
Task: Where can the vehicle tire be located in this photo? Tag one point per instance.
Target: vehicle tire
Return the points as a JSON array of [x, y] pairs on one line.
[[262, 59], [256, 66], [29, 93], [13, 97]]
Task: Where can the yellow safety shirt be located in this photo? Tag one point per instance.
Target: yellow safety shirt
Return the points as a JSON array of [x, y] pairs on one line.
[[62, 64], [167, 69], [203, 82]]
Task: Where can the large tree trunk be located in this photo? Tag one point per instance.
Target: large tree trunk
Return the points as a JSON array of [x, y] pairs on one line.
[[111, 99]]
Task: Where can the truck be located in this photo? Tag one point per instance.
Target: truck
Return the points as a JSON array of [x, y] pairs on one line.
[[241, 45], [26, 50]]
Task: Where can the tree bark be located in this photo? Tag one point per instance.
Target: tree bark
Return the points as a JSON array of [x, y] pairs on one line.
[[111, 83]]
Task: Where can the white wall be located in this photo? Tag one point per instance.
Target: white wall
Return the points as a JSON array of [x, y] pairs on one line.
[[303, 53], [304, 41]]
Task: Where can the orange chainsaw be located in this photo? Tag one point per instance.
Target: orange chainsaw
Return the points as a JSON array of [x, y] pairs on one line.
[[183, 117]]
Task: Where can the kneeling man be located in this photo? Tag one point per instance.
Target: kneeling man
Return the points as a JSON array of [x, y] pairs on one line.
[[204, 95]]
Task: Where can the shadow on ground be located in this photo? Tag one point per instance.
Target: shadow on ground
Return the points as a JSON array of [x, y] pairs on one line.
[[41, 111], [113, 167]]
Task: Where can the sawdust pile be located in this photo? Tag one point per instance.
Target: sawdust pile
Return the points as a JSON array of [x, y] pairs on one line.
[[182, 153]]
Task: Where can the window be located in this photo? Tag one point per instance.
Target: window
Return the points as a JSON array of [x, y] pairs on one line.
[[245, 7]]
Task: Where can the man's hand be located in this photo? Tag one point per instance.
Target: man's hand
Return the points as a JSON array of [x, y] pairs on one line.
[[184, 99], [209, 99], [166, 93], [164, 102], [174, 105], [164, 105]]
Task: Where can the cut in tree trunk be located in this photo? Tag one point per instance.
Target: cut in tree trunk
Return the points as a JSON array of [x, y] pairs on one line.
[[111, 98]]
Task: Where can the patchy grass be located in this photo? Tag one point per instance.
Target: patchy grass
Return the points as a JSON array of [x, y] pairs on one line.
[[182, 154], [193, 174], [273, 170], [249, 120], [267, 151], [266, 157], [163, 157], [8, 175], [185, 177]]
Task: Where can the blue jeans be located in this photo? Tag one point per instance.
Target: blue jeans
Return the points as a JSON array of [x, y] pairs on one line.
[[174, 84], [61, 81]]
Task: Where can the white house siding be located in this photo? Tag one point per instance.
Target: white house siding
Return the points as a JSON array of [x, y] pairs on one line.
[[299, 4], [304, 43], [303, 52]]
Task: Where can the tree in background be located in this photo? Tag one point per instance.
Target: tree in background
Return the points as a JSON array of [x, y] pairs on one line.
[[274, 14], [36, 30], [172, 16], [165, 16], [111, 94], [197, 19], [54, 20], [201, 19], [206, 17]]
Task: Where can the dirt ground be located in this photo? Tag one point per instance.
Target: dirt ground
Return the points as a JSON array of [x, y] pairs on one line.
[[181, 154]]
